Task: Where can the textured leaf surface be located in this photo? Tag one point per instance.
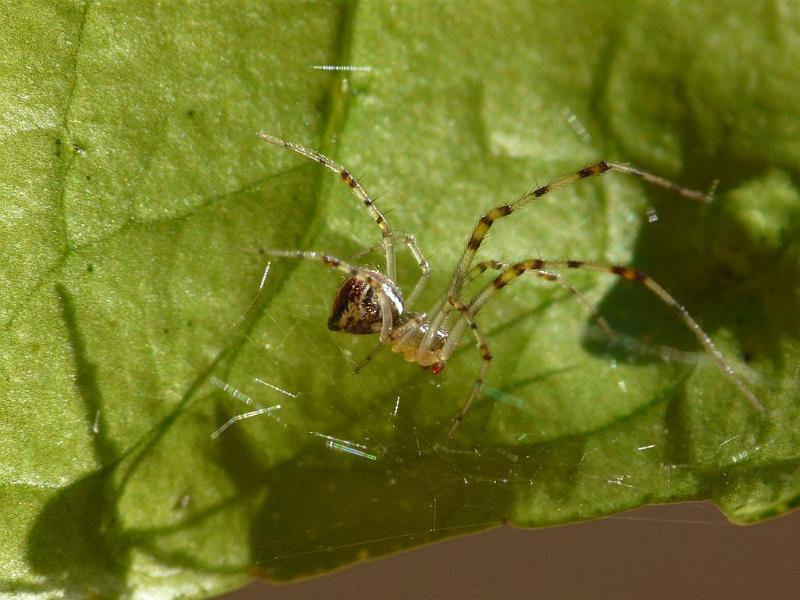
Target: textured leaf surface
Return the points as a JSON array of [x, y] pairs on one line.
[[130, 168]]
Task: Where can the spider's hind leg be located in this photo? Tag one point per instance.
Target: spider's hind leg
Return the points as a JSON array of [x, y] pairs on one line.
[[486, 357], [629, 274], [613, 336]]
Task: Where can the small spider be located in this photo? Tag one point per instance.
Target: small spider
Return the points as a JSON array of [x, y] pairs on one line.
[[370, 302]]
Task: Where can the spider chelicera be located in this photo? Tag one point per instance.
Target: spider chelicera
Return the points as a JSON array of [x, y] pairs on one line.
[[370, 302]]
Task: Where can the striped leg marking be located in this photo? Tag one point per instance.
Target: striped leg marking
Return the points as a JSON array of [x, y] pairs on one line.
[[496, 265], [355, 186], [665, 353], [486, 357], [440, 312], [629, 274]]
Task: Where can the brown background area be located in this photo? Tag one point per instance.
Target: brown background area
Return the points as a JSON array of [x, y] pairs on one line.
[[679, 551]]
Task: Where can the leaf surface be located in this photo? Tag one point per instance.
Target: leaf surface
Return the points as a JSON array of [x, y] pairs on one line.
[[131, 330]]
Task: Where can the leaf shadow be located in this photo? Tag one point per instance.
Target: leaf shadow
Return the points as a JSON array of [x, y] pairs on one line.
[[76, 541], [677, 252]]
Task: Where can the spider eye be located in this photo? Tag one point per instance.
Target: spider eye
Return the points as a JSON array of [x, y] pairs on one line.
[[437, 368]]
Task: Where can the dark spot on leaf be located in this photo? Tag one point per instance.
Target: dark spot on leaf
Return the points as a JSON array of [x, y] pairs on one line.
[[90, 268]]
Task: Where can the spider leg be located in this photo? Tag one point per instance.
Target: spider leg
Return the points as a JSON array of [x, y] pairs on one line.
[[370, 355], [556, 278], [410, 240], [440, 312], [482, 267], [486, 357], [497, 265], [355, 186], [339, 265], [425, 268], [362, 253], [629, 274], [666, 353]]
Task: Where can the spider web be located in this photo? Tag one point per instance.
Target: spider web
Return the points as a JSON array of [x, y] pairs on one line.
[[368, 472]]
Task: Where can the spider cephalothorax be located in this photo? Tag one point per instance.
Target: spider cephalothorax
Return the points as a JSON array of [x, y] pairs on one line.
[[371, 302]]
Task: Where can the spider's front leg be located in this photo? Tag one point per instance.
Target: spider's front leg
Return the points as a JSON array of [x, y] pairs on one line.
[[441, 311], [359, 192]]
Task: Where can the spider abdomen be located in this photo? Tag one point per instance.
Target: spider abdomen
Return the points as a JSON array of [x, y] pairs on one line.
[[356, 308]]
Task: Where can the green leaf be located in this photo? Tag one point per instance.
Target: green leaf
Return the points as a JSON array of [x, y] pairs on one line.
[[131, 331]]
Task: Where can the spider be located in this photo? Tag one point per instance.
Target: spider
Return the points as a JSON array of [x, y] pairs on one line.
[[370, 302]]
